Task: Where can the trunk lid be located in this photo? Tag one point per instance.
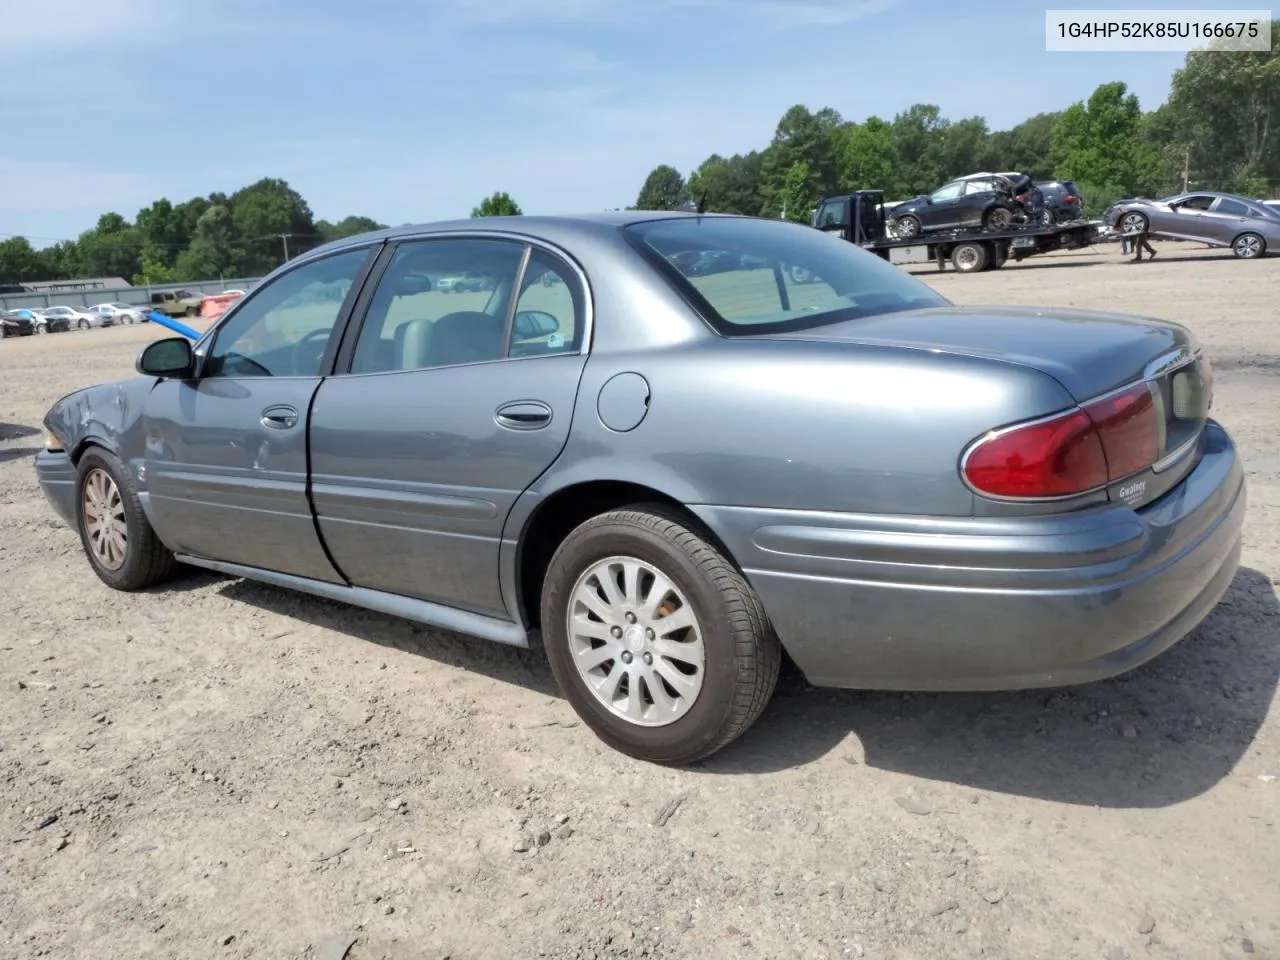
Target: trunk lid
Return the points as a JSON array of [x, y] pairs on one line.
[[1088, 352]]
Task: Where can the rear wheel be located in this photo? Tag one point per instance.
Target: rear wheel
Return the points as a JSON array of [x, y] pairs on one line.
[[117, 537], [658, 642], [998, 218], [1249, 246], [83, 324], [969, 257]]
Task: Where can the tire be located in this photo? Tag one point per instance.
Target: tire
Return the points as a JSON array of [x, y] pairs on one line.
[[741, 653], [998, 218], [970, 257], [1249, 246], [145, 560], [908, 226], [1048, 218], [82, 324]]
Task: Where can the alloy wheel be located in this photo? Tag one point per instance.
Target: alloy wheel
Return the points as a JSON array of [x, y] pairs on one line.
[[104, 519], [636, 641]]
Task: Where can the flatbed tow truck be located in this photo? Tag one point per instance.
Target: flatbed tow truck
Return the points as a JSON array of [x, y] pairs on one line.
[[859, 217]]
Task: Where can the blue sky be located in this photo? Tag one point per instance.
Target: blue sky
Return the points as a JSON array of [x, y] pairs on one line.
[[413, 110]]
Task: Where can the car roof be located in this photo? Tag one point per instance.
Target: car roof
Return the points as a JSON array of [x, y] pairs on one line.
[[599, 227]]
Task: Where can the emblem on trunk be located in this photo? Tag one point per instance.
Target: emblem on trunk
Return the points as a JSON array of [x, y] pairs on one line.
[[1133, 491]]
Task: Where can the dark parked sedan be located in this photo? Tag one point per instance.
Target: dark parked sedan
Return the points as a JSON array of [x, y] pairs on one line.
[[14, 324], [666, 480]]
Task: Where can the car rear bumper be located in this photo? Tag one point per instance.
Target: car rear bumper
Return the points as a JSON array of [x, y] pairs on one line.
[[916, 603], [57, 477]]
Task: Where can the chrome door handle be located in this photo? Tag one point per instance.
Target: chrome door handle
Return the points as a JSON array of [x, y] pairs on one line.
[[280, 417], [523, 415]]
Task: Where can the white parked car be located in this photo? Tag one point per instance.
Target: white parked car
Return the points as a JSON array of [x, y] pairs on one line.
[[121, 312], [78, 317]]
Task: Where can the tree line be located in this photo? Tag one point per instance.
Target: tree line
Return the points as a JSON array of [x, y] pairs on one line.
[[1219, 129]]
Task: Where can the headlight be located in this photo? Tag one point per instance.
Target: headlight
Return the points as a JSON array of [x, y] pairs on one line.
[[51, 442]]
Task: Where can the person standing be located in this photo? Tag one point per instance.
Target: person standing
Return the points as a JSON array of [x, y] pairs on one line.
[[1141, 241]]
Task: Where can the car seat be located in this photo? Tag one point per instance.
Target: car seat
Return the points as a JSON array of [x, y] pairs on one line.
[[468, 336]]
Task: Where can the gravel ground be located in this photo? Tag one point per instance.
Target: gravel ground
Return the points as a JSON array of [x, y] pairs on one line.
[[226, 770]]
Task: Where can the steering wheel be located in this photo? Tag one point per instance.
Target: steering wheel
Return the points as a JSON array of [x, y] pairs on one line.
[[306, 358]]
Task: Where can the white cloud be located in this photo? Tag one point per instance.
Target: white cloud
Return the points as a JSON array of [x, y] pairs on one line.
[[48, 25]]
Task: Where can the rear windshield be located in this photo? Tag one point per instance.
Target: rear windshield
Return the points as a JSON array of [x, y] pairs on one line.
[[751, 276]]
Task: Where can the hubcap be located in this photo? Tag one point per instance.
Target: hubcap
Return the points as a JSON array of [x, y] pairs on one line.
[[1133, 223], [967, 258], [636, 642], [1248, 246], [104, 519]]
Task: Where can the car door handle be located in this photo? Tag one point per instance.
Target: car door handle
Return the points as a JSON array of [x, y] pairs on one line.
[[280, 417], [523, 415]]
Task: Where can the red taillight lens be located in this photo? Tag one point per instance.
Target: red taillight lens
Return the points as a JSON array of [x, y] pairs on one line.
[[1128, 427], [1053, 458], [1081, 450], [1068, 198]]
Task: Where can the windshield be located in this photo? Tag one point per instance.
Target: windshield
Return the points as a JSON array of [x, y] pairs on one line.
[[749, 276]]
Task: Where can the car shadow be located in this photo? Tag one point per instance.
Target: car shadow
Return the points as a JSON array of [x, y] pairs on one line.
[[513, 665], [1158, 735], [18, 453], [16, 431], [1161, 734]]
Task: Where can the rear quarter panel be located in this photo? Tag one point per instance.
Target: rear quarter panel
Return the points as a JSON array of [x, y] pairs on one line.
[[800, 425]]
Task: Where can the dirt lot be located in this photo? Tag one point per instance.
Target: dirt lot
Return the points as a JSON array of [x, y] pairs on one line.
[[226, 770]]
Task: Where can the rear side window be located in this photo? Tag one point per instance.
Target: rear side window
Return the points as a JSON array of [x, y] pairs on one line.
[[749, 276]]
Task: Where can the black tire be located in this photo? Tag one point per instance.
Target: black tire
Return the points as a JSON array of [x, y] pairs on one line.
[[742, 652], [146, 560], [1249, 246], [82, 324], [1048, 218], [970, 257], [998, 218]]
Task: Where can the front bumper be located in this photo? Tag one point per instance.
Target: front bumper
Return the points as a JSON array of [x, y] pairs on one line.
[[57, 477], [918, 603]]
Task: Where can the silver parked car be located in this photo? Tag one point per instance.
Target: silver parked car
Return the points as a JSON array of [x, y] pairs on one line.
[[666, 480], [1249, 227]]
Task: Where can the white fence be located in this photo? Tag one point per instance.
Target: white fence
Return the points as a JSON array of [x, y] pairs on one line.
[[138, 296]]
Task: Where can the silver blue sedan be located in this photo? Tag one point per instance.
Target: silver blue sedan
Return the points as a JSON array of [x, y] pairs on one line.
[[666, 480]]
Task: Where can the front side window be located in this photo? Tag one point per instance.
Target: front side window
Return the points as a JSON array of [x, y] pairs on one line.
[[283, 330], [950, 192], [440, 303], [1194, 203], [979, 186], [832, 213], [775, 277]]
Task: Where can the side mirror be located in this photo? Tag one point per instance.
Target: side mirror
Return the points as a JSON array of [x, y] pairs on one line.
[[171, 357], [531, 324]]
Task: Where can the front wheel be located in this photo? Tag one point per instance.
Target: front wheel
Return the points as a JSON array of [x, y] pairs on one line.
[[122, 548], [83, 324], [655, 638], [1249, 246]]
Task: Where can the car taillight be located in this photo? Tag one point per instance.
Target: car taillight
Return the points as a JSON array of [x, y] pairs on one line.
[[1079, 450], [1068, 198]]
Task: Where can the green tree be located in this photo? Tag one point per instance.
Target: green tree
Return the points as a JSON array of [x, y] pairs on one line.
[[802, 137], [917, 139], [213, 251], [110, 249], [153, 272], [1027, 146], [1224, 116], [498, 204], [966, 148], [868, 158], [663, 189], [266, 216], [732, 185], [1101, 145], [347, 227], [19, 261], [798, 194]]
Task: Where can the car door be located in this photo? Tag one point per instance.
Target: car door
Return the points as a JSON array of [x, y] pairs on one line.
[[1186, 220], [453, 404], [226, 451], [1225, 220], [943, 209], [977, 193]]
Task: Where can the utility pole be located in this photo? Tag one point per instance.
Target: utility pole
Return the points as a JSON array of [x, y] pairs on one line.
[[284, 239], [1186, 170]]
